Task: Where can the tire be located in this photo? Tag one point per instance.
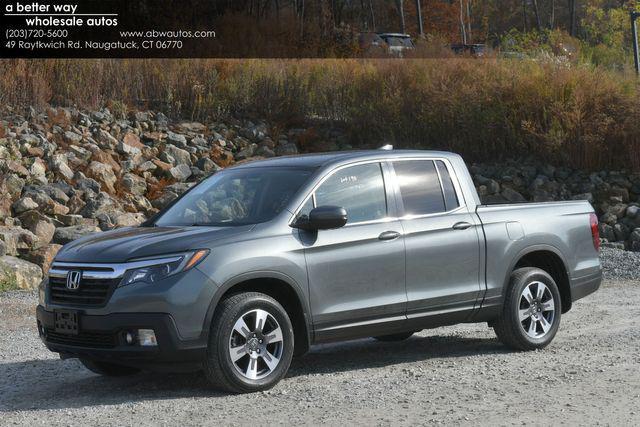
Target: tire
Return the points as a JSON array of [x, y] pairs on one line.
[[108, 369], [395, 337], [529, 321], [262, 348]]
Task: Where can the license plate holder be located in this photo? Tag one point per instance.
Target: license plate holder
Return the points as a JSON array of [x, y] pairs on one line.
[[67, 322]]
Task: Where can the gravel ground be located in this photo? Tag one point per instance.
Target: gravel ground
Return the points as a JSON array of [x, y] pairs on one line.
[[619, 264], [454, 375]]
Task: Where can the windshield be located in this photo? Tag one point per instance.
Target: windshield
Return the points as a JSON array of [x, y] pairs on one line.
[[236, 197], [399, 41]]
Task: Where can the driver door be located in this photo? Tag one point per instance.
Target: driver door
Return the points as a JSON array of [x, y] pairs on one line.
[[357, 272]]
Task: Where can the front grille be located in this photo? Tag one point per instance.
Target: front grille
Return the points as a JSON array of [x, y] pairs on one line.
[[83, 339], [90, 293]]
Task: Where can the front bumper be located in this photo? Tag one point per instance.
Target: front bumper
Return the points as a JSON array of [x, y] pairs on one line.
[[101, 337]]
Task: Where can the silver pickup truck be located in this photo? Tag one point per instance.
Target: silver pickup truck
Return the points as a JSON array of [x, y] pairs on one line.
[[260, 261]]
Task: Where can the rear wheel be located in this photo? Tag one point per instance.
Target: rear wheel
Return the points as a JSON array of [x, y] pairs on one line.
[[395, 337], [531, 312], [108, 369], [250, 344]]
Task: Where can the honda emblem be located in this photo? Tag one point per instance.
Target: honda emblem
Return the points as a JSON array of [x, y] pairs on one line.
[[73, 280]]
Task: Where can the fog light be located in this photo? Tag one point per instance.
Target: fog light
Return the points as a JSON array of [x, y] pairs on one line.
[[128, 338], [147, 338]]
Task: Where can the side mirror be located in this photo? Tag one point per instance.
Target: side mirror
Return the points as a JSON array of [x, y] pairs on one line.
[[323, 218]]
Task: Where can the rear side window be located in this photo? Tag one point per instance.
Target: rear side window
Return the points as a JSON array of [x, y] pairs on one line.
[[359, 189], [419, 187], [450, 197]]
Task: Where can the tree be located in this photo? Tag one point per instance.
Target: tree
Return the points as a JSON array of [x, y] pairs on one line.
[[536, 11], [463, 30], [400, 6], [572, 17], [419, 15]]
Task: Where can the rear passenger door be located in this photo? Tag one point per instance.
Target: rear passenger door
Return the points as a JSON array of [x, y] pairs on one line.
[[442, 242]]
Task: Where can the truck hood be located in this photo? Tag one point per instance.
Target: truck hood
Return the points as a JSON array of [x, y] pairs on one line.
[[137, 242]]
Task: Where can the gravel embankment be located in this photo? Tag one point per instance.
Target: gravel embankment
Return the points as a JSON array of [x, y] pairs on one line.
[[454, 375]]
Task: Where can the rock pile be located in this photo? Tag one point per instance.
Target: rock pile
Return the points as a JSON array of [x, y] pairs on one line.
[[66, 173]]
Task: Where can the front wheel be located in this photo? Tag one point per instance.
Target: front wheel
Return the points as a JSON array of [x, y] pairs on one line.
[[531, 312], [250, 344]]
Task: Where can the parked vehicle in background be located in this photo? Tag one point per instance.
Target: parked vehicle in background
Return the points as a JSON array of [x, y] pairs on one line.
[[262, 260], [398, 43], [385, 43], [476, 50]]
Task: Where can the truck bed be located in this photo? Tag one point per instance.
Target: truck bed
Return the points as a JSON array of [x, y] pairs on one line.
[[512, 231]]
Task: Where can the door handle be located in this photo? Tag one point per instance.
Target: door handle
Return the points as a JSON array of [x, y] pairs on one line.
[[461, 226], [389, 235]]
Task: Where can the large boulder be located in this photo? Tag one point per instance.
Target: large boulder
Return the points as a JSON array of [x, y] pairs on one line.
[[13, 185], [129, 219], [72, 137], [101, 204], [46, 204], [39, 225], [43, 256], [38, 168], [207, 165], [59, 164], [181, 172], [130, 145], [17, 239], [17, 272], [181, 156], [24, 204], [134, 184], [103, 173], [105, 139], [64, 235], [176, 139], [194, 127]]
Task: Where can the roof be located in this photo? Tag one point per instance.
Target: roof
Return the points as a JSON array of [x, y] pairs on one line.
[[313, 161], [400, 35]]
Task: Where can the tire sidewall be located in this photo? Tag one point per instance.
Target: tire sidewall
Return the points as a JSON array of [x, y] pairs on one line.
[[535, 275], [224, 335]]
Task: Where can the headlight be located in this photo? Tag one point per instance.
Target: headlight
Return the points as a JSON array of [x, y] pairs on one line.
[[154, 270]]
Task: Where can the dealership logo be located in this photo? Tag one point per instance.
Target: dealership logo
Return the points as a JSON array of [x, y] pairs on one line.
[[73, 279]]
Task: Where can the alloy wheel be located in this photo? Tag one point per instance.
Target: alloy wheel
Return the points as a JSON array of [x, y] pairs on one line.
[[536, 310], [256, 344]]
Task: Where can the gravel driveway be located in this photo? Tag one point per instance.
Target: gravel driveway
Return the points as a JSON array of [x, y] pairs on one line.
[[455, 375]]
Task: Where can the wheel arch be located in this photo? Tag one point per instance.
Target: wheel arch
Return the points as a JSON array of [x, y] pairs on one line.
[[549, 259], [278, 286]]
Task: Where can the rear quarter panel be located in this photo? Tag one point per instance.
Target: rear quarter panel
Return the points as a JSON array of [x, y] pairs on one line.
[[512, 231]]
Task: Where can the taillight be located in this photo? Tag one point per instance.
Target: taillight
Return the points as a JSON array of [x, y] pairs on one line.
[[595, 232]]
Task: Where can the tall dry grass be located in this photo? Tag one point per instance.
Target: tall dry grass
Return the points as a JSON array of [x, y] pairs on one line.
[[583, 116]]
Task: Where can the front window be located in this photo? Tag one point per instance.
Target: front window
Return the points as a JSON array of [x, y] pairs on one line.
[[359, 189], [236, 197]]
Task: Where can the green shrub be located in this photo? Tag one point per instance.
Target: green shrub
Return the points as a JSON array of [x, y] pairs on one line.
[[8, 282]]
